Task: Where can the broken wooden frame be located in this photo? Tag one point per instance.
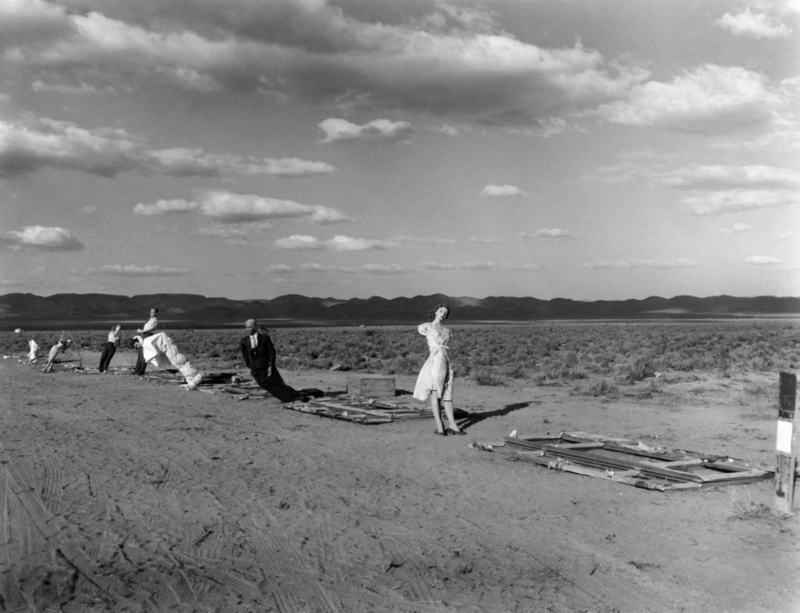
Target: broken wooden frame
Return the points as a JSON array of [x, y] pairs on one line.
[[631, 462], [361, 410]]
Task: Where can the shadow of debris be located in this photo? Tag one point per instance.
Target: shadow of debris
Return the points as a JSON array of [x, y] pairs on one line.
[[467, 419]]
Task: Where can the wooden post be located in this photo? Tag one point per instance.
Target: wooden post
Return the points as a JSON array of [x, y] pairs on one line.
[[786, 444]]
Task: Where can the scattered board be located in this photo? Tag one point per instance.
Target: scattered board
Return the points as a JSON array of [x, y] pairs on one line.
[[629, 462], [361, 410]]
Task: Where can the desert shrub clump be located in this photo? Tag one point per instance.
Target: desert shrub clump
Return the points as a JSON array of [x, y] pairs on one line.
[[544, 353]]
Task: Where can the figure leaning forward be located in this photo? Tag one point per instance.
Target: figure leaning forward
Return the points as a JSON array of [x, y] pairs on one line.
[[259, 356]]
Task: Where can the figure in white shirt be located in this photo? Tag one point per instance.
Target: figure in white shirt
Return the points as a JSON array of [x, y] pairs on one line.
[[149, 328], [110, 348]]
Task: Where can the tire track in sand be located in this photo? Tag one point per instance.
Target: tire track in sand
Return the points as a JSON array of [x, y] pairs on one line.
[[53, 476], [12, 597], [169, 588], [275, 554], [38, 523]]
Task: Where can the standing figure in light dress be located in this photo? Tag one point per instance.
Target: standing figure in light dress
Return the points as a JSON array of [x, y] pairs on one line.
[[435, 380]]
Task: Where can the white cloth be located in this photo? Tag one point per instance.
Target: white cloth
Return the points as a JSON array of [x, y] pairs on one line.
[[436, 374], [34, 348], [55, 349], [112, 337], [253, 341], [162, 352]]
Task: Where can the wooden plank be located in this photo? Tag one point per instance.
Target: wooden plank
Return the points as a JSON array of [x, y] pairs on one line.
[[608, 463], [688, 462], [370, 386], [580, 445]]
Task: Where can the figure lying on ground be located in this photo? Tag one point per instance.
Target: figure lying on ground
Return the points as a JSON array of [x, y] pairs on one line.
[[160, 351], [259, 356]]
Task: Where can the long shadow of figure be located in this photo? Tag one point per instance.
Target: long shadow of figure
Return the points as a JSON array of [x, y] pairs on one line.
[[466, 419]]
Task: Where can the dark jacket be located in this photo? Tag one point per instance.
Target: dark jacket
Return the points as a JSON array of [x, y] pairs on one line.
[[262, 357]]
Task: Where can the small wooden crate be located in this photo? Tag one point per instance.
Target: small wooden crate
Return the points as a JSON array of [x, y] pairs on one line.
[[370, 386]]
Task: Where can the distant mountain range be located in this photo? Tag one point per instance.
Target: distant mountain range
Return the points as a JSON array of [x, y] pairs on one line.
[[189, 310]]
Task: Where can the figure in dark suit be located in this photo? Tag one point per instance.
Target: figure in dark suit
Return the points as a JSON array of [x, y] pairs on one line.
[[259, 355]]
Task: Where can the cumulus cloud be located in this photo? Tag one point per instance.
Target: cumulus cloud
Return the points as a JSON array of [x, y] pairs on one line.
[[718, 189], [547, 234], [452, 59], [736, 229], [701, 177], [236, 234], [708, 99], [41, 238], [553, 126], [165, 207], [341, 130], [232, 208], [34, 143], [759, 25], [636, 263], [62, 88], [762, 260], [500, 191], [738, 201], [448, 130], [304, 242], [132, 270]]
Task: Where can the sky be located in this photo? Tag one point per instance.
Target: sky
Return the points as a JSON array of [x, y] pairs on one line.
[[582, 149]]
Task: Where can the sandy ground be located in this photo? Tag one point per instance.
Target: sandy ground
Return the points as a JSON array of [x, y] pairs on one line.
[[121, 494]]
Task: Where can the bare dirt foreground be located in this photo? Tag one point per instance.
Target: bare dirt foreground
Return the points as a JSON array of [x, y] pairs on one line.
[[120, 494]]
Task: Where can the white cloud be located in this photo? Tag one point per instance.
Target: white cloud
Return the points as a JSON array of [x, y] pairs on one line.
[[709, 99], [737, 201], [337, 243], [759, 25], [453, 59], [501, 191], [448, 130], [132, 270], [61, 88], [165, 207], [716, 177], [229, 207], [784, 235], [701, 177], [41, 238], [341, 130], [762, 260], [553, 126], [236, 234], [34, 143], [547, 234], [637, 263], [736, 229]]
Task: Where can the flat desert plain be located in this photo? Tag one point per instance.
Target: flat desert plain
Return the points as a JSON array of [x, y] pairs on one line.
[[122, 494]]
